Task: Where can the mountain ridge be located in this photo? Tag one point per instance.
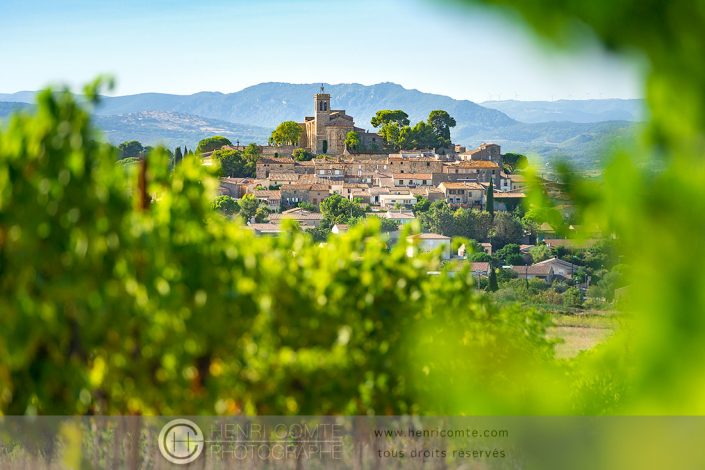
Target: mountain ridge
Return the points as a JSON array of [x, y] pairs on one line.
[[252, 112]]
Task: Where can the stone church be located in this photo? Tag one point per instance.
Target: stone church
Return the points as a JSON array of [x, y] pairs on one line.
[[325, 131]]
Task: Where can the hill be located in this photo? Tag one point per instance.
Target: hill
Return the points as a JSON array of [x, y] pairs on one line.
[[185, 119], [174, 129], [7, 108], [584, 111]]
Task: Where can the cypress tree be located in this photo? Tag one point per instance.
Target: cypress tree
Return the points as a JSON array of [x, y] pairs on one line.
[[492, 281], [178, 156], [490, 199]]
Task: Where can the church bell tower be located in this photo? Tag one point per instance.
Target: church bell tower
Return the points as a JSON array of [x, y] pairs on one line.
[[321, 103]]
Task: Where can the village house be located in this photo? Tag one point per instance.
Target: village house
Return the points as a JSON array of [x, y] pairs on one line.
[[518, 182], [267, 165], [413, 180], [486, 152], [560, 267], [272, 198], [507, 201], [340, 228], [480, 171], [265, 229], [391, 201], [399, 217], [233, 187], [480, 269], [426, 242], [293, 194], [306, 219], [543, 272], [463, 194], [415, 165]]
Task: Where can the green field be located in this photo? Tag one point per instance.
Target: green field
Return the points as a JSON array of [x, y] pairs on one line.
[[582, 331]]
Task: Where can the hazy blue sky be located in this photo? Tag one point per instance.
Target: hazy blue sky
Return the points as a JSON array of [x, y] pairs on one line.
[[185, 46]]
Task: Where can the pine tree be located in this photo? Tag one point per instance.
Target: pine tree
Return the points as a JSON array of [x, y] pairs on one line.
[[490, 199], [178, 156]]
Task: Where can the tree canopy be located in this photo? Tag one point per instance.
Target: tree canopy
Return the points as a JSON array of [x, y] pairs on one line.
[[287, 133], [131, 149], [235, 163], [210, 144], [387, 116], [395, 130]]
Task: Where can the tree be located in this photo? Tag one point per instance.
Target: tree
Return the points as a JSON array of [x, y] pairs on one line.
[[540, 253], [514, 161], [422, 205], [506, 229], [307, 206], [226, 205], [386, 116], [248, 206], [302, 155], [210, 144], [352, 141], [178, 156], [132, 149], [339, 210], [392, 133], [471, 223], [252, 152], [438, 219], [510, 254], [492, 282], [287, 133], [234, 164], [423, 136], [441, 122], [386, 225], [490, 199], [261, 214]]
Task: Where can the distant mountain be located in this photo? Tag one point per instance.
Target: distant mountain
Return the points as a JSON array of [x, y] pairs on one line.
[[19, 97], [174, 129], [8, 108], [185, 119], [584, 111]]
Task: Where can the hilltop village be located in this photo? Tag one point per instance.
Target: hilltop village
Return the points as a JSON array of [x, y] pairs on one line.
[[324, 174], [387, 183]]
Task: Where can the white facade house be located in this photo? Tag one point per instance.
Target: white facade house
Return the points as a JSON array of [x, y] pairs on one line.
[[400, 218], [388, 201], [426, 242]]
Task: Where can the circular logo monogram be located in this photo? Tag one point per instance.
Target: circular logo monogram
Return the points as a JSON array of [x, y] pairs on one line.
[[181, 441]]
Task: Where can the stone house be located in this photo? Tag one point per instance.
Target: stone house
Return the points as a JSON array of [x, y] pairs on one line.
[[463, 193], [480, 171], [305, 218], [267, 165], [415, 165], [413, 180], [273, 198]]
